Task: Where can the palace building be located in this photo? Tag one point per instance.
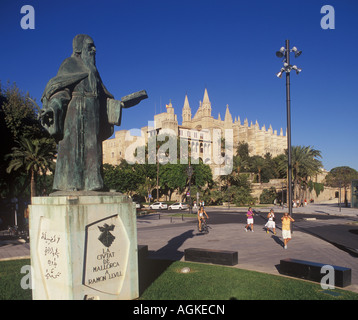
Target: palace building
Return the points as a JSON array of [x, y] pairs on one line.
[[199, 129]]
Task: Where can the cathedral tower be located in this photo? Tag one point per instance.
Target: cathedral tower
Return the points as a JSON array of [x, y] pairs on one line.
[[206, 105], [186, 112]]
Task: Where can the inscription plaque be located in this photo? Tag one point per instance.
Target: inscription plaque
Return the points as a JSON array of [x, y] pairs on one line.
[[106, 255], [51, 252]]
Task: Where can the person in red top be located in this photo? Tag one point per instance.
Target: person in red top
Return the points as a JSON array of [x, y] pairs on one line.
[[250, 220]]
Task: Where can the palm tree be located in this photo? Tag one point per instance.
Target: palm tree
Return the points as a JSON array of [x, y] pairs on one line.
[[33, 156], [257, 164], [305, 164]]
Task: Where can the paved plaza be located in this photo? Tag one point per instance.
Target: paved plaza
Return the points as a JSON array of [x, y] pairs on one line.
[[167, 237]]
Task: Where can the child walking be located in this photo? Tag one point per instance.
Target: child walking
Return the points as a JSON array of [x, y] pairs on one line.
[[250, 220], [271, 222]]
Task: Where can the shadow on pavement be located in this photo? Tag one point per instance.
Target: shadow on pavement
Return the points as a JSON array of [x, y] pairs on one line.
[[277, 240], [152, 266], [170, 250]]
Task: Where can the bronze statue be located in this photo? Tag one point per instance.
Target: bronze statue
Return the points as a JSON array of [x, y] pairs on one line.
[[80, 113]]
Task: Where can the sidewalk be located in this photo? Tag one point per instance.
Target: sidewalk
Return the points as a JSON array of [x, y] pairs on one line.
[[313, 208], [328, 208], [14, 249]]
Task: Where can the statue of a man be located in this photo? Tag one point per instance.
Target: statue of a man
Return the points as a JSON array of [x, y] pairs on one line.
[[77, 111]]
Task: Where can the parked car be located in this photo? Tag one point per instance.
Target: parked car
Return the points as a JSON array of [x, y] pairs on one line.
[[178, 205], [158, 205], [137, 205]]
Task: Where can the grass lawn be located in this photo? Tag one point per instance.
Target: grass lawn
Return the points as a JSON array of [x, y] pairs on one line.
[[213, 282], [10, 280], [203, 282]]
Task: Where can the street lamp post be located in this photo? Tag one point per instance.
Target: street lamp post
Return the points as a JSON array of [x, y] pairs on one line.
[[190, 173], [284, 53]]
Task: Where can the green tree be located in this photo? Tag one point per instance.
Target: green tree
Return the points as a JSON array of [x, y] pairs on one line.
[[257, 164], [172, 177], [18, 118], [341, 177], [146, 188], [279, 166], [269, 169], [305, 164], [20, 114], [129, 178], [202, 175], [242, 150], [316, 186], [34, 157], [242, 159], [125, 177], [110, 176], [242, 191], [268, 195]]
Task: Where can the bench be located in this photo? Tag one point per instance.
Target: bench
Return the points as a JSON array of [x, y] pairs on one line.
[[223, 257], [312, 271]]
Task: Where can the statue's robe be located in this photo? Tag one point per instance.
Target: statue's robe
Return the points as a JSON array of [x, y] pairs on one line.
[[80, 124]]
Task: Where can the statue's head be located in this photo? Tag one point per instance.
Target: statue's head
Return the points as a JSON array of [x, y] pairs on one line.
[[83, 46]]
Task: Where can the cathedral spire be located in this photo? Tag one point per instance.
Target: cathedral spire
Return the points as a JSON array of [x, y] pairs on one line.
[[228, 117], [186, 103], [186, 111], [206, 104], [206, 97]]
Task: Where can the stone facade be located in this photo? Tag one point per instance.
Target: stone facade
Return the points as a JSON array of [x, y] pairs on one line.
[[198, 129]]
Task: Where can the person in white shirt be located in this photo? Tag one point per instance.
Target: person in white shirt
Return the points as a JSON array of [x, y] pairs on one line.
[[271, 222]]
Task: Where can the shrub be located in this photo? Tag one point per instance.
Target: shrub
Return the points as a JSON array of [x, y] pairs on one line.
[[268, 195]]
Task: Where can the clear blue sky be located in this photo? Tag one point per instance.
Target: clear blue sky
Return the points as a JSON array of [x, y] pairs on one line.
[[172, 48]]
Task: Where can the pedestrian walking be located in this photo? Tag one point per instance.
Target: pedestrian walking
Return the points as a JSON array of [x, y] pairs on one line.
[[201, 217], [286, 228], [250, 220], [195, 207], [271, 222]]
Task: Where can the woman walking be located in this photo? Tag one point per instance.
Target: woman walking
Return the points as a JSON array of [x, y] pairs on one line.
[[250, 220], [201, 217], [271, 222], [286, 228]]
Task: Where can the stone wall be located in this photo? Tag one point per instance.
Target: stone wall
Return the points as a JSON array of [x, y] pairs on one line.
[[328, 194]]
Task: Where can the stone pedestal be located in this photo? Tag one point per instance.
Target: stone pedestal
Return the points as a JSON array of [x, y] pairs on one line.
[[84, 247]]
